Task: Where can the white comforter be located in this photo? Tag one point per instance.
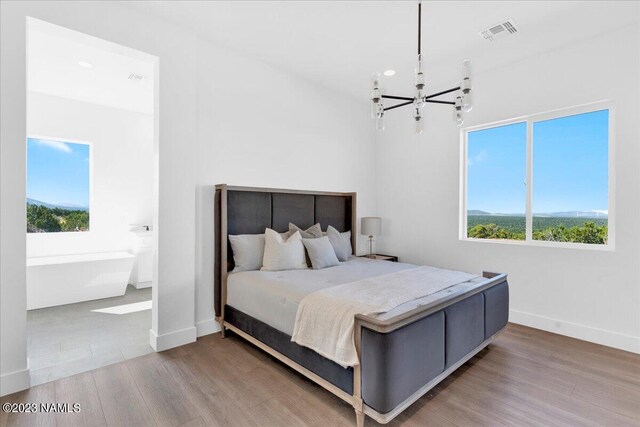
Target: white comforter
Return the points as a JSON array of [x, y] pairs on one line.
[[325, 319]]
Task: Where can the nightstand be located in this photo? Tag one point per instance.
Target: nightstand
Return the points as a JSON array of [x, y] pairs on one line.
[[383, 257]]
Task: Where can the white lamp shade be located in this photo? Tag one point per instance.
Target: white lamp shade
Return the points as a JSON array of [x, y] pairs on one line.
[[371, 226]]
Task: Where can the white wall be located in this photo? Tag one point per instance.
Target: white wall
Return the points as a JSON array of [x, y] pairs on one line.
[[258, 126], [14, 371], [174, 160], [122, 171], [223, 118], [592, 295]]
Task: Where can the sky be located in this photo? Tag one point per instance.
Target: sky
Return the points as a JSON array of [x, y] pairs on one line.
[[570, 166], [58, 172]]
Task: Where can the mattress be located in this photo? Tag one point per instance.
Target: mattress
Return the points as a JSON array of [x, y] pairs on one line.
[[273, 296]]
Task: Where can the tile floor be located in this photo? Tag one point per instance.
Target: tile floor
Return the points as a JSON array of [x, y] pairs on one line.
[[70, 339]]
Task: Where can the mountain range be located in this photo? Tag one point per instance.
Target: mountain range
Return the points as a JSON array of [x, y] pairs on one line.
[[52, 206], [566, 214]]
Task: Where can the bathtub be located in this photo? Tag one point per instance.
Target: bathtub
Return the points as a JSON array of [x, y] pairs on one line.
[[58, 280]]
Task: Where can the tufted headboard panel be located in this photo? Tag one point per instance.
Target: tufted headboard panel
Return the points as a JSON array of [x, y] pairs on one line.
[[249, 210]]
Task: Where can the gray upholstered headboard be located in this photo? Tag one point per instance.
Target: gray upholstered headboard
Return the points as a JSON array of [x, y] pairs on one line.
[[249, 210]]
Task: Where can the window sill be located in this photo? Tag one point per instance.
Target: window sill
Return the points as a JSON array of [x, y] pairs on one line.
[[544, 244]]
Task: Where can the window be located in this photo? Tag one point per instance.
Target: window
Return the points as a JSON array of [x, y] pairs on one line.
[[496, 168], [565, 156], [58, 186]]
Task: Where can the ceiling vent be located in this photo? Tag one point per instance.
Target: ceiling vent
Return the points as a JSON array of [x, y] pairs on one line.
[[136, 77], [500, 30]]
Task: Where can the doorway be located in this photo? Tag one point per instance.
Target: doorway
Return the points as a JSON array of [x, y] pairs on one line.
[[91, 124]]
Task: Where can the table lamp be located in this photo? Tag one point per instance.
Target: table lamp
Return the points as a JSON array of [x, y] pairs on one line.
[[370, 226]]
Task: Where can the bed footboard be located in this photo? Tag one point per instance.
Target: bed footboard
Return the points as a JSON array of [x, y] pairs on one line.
[[404, 357], [401, 358]]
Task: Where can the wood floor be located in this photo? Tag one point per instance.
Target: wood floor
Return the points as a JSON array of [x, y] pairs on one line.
[[526, 378]]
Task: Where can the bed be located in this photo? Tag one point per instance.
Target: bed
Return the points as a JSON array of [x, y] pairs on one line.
[[402, 353]]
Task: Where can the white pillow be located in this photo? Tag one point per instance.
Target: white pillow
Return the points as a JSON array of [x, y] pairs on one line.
[[281, 255], [341, 243], [321, 252], [285, 235], [309, 233], [248, 251]]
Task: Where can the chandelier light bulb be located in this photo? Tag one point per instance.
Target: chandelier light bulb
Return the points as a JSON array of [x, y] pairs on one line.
[[380, 122], [467, 104], [467, 101], [376, 94], [417, 115], [466, 69], [376, 80], [457, 112], [377, 108], [376, 84]]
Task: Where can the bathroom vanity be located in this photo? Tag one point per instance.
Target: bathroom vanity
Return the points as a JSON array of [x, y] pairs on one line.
[[141, 248]]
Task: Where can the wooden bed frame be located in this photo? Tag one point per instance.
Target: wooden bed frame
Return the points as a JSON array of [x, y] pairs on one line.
[[361, 321]]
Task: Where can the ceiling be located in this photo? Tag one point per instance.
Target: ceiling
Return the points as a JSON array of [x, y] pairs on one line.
[[335, 44], [53, 68], [338, 44]]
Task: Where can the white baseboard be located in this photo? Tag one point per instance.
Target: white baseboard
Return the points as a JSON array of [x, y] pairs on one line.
[[14, 381], [172, 339], [574, 330], [206, 327], [142, 285]]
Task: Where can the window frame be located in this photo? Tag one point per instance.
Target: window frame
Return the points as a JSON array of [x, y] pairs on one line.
[[530, 120], [70, 141]]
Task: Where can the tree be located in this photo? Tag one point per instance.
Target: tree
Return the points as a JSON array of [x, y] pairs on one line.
[[76, 221], [588, 233], [41, 219], [551, 234], [488, 231], [45, 220]]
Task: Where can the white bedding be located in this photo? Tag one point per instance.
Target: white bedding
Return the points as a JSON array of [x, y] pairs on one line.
[[273, 296], [325, 319]]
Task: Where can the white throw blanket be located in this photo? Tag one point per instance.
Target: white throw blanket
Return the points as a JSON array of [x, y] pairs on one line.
[[325, 318]]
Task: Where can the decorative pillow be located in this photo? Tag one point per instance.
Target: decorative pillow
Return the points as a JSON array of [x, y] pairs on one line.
[[309, 233], [341, 243], [248, 251], [283, 255], [321, 252], [285, 235]]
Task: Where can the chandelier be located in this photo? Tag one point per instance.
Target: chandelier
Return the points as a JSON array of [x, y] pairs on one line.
[[462, 102]]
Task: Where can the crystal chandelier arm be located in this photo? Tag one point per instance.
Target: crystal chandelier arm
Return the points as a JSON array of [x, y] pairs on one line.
[[444, 92], [425, 99], [435, 101], [403, 98], [398, 105]]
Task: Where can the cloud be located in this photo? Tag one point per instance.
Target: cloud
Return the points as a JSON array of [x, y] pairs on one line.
[[56, 145], [478, 158]]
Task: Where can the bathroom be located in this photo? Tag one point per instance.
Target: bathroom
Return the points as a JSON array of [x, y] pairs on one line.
[[90, 201]]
